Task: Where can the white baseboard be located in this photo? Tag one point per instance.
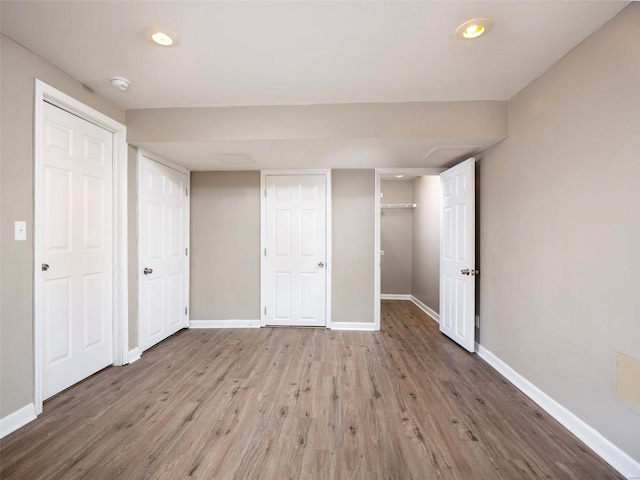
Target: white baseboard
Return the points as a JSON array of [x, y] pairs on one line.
[[224, 324], [426, 309], [611, 454], [394, 296], [134, 354], [355, 326], [17, 419]]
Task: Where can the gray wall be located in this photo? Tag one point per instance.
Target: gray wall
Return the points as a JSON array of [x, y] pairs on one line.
[[20, 68], [132, 243], [425, 245], [396, 226], [560, 240], [225, 246], [353, 194], [484, 120]]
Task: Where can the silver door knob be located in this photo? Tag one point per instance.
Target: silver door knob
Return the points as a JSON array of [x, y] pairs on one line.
[[148, 271], [321, 264], [466, 271], [45, 267]]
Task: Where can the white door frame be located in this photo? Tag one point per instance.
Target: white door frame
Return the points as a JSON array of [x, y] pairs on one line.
[[144, 153], [263, 238], [119, 262], [376, 215]]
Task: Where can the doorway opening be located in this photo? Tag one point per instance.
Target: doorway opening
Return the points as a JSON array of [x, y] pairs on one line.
[[408, 238]]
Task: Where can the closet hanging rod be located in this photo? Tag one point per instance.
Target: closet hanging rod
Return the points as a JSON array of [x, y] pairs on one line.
[[398, 205]]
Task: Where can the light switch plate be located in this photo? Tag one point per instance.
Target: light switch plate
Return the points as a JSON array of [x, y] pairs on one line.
[[20, 231]]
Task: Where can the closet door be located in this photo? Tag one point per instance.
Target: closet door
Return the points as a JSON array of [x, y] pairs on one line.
[[457, 254], [296, 212], [76, 247], [163, 254]]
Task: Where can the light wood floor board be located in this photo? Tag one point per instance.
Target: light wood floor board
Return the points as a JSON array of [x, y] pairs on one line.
[[292, 403]]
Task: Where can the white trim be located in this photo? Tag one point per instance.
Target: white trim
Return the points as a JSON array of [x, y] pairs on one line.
[[377, 259], [394, 296], [329, 234], [610, 453], [153, 157], [134, 354], [263, 238], [354, 326], [17, 419], [410, 171], [376, 228], [120, 292], [195, 324], [426, 309]]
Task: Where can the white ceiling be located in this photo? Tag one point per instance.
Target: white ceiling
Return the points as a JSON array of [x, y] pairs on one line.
[[300, 52]]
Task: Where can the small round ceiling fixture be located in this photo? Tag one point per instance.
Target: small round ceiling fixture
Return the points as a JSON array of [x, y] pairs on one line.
[[120, 83], [162, 36], [473, 28]]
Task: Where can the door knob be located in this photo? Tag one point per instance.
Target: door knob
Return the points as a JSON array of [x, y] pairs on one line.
[[466, 271], [321, 264], [475, 272], [148, 271], [45, 267]]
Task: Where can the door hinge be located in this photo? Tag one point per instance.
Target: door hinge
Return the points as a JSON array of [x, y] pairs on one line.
[[186, 191], [265, 191], [186, 310], [477, 321], [186, 251], [265, 252], [265, 310]]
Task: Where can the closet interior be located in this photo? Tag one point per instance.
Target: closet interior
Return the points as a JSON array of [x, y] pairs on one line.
[[410, 238]]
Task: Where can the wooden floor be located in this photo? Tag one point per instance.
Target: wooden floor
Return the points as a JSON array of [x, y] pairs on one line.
[[289, 403]]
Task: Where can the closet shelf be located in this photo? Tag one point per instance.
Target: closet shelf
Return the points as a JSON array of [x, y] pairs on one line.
[[398, 205]]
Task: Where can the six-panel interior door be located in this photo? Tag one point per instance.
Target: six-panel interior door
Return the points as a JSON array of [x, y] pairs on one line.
[[162, 237], [296, 212], [457, 254], [75, 238]]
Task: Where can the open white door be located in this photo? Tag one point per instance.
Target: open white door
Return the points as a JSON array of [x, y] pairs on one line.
[[457, 254], [163, 255], [296, 250]]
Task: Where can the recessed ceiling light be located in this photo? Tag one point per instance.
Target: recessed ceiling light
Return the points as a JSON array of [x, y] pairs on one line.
[[162, 36], [473, 28], [399, 176]]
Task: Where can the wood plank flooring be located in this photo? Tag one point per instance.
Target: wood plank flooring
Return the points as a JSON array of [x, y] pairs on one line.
[[291, 403]]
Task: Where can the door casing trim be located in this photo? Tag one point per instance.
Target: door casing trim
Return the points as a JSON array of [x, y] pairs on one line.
[[263, 238], [45, 92]]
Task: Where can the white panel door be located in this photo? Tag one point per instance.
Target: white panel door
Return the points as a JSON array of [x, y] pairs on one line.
[[457, 254], [296, 212], [76, 249], [163, 260]]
